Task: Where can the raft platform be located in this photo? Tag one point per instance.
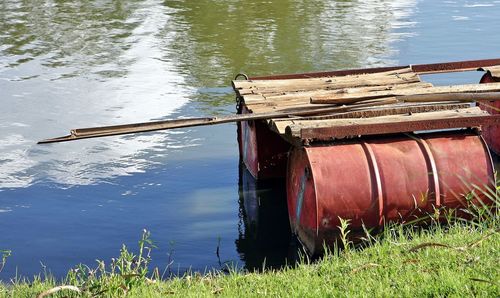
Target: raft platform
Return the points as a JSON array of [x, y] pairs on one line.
[[379, 144]]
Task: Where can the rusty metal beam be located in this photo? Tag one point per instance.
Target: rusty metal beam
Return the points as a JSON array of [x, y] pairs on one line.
[[339, 132], [418, 68], [453, 66]]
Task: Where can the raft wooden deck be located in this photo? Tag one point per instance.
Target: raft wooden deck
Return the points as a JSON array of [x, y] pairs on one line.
[[371, 102]]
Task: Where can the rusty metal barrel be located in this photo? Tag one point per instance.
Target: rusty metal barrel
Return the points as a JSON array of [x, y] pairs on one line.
[[491, 133], [380, 180]]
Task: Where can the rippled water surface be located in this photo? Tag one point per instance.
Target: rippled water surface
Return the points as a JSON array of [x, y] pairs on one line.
[[68, 64]]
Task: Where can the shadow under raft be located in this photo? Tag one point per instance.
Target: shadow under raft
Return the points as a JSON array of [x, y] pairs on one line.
[[371, 145]]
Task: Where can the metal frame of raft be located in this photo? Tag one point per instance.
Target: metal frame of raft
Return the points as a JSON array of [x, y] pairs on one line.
[[370, 164]]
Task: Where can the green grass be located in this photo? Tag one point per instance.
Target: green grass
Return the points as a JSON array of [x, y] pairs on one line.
[[458, 259]]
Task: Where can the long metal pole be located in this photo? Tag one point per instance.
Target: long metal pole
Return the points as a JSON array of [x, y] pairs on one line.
[[103, 131], [94, 132]]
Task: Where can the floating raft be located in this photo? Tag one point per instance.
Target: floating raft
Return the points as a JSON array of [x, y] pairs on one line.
[[395, 147]]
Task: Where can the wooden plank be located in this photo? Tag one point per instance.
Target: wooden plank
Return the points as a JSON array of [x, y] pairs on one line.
[[329, 83], [293, 105], [394, 118], [339, 128], [246, 84], [253, 98], [285, 108], [292, 101], [329, 109], [279, 125], [300, 95], [339, 132], [347, 96], [261, 103]]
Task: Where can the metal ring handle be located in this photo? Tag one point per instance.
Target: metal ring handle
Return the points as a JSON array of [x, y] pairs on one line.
[[241, 75]]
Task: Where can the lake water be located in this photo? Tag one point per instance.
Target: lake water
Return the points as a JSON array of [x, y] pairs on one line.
[[69, 64]]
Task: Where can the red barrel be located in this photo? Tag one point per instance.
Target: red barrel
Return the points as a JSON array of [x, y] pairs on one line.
[[491, 133], [374, 181], [263, 151]]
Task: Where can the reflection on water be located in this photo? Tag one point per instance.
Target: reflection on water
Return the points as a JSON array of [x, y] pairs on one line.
[[68, 64], [224, 38], [69, 36], [264, 233]]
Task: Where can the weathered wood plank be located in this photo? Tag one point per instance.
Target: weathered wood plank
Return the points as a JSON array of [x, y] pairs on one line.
[[350, 131], [394, 118], [330, 84], [338, 127], [249, 98], [285, 108], [279, 125], [246, 84], [294, 105], [300, 95], [347, 96], [286, 102], [261, 103]]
